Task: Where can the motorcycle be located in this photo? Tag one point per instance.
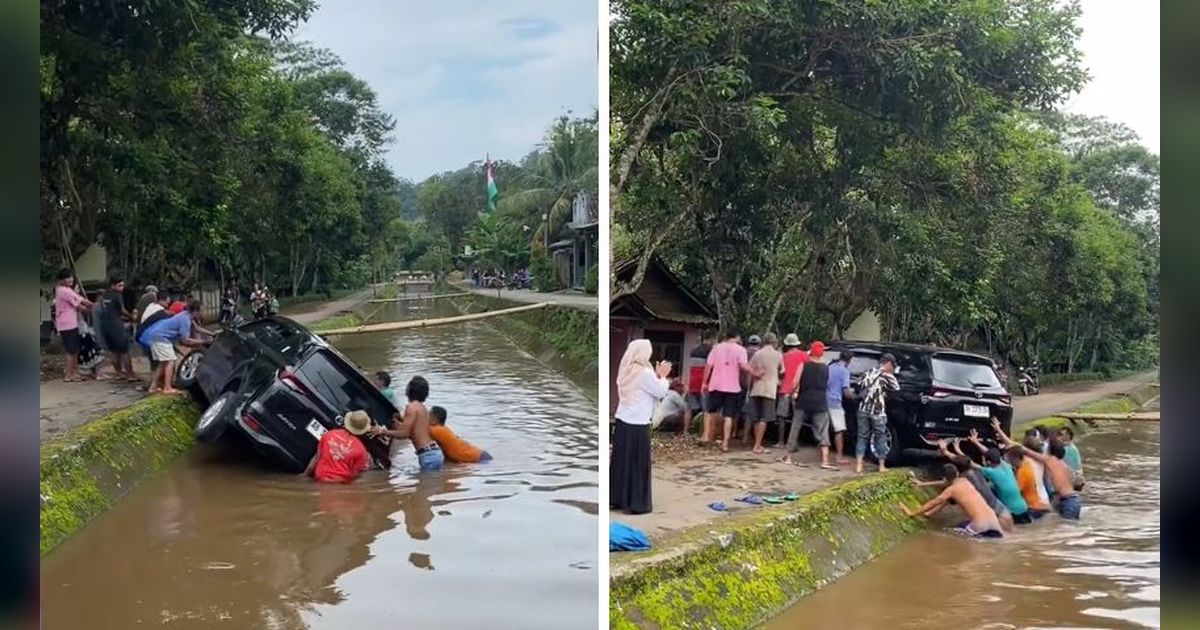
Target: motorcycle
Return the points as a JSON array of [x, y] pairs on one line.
[[1027, 379]]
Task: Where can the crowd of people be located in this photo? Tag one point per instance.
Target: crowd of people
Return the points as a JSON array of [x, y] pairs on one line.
[[743, 389], [341, 456], [158, 323]]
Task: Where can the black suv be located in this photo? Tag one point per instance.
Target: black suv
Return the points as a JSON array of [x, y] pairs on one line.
[[282, 387], [943, 394]]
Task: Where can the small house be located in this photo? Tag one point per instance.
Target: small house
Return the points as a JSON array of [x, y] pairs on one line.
[[578, 246]]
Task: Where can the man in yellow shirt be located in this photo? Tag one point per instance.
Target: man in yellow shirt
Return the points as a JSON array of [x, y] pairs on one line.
[[455, 448]]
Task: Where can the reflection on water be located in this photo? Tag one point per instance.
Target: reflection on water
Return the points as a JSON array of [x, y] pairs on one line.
[[1102, 572], [219, 541]]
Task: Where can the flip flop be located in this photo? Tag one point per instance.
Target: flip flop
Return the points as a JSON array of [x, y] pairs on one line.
[[791, 496], [717, 506], [773, 500], [751, 499], [828, 467]]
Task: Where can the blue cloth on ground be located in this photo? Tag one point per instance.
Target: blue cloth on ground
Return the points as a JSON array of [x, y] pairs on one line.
[[752, 499], [622, 537], [717, 506]]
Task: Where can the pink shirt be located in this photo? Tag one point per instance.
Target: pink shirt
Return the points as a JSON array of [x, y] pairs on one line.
[[726, 360], [66, 308]]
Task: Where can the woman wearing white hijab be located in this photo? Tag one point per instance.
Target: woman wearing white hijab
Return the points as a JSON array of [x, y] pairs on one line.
[[639, 388]]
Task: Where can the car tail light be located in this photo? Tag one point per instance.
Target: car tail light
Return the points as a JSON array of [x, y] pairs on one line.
[[252, 423], [293, 382]]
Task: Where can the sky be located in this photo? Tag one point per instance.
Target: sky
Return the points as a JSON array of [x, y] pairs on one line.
[[1120, 50], [464, 78]]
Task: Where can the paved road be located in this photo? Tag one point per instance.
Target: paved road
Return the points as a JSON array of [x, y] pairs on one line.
[[564, 298], [1071, 395]]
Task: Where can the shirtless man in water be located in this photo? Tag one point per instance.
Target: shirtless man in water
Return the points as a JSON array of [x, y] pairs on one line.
[[1060, 474], [982, 521], [414, 425]]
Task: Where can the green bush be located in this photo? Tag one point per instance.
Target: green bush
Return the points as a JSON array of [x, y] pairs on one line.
[[591, 282], [541, 266]]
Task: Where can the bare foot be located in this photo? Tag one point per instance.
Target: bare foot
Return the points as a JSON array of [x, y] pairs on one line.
[[171, 392], [858, 469], [759, 450], [724, 447], [882, 468]]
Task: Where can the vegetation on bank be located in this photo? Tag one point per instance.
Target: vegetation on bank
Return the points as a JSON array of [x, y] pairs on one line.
[[801, 162], [85, 470], [751, 566]]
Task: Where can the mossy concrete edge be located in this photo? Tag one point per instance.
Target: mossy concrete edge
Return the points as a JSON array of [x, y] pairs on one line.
[[749, 567], [564, 338], [90, 468]]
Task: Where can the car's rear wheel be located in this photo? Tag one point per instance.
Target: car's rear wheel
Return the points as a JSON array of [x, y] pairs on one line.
[[215, 418], [185, 374]]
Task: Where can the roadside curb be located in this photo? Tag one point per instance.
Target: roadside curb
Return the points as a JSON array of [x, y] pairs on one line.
[[88, 469], [749, 567]]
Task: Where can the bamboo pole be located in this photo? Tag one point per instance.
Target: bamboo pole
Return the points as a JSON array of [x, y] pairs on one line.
[[425, 323], [1142, 417], [413, 298]]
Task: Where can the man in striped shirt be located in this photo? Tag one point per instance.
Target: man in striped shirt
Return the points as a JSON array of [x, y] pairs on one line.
[[872, 411]]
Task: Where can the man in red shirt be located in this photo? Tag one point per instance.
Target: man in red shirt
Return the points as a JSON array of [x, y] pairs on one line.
[[793, 358], [341, 456], [696, 361]]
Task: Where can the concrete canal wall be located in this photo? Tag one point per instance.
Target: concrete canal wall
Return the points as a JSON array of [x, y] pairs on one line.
[[564, 338], [749, 567], [90, 468]]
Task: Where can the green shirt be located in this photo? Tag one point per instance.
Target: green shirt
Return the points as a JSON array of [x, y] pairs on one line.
[[390, 395], [1072, 457], [1005, 483]]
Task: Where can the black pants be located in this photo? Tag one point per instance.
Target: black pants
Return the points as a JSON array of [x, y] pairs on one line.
[[629, 470]]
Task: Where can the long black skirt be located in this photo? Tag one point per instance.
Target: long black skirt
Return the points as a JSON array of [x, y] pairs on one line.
[[629, 470]]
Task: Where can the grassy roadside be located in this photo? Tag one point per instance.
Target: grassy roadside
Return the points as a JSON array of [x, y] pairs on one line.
[[1121, 403]]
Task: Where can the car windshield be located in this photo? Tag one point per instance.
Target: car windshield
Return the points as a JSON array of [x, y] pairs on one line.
[[963, 372]]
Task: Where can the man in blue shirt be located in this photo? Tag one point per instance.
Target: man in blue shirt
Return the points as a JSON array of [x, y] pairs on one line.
[[838, 390], [161, 338]]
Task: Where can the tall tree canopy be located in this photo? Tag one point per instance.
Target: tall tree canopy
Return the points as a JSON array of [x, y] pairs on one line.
[[804, 161]]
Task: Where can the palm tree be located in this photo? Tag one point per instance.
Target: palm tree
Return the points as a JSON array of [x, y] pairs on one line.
[[564, 164]]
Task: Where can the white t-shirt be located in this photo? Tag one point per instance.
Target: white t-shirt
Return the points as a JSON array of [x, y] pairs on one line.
[[650, 389], [150, 310]]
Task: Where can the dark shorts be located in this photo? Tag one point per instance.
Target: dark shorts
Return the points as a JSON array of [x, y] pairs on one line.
[[762, 409], [1022, 519], [1038, 514], [115, 338], [725, 403], [71, 340], [965, 527]]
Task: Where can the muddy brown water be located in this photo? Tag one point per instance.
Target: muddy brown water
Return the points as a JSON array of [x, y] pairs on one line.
[[1102, 572], [219, 541]]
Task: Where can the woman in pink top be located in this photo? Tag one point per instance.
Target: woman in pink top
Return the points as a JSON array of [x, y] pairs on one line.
[[67, 304]]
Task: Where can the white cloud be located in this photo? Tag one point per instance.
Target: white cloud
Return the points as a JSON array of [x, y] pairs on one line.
[[464, 78]]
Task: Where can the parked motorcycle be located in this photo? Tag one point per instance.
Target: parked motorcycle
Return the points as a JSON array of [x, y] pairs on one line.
[[1027, 379]]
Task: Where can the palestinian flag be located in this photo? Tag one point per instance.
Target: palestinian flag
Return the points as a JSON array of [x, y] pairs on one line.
[[492, 190]]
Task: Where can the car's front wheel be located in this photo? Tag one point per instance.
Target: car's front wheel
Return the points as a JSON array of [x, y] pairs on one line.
[[215, 418]]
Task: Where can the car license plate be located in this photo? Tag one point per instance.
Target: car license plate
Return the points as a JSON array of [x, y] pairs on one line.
[[316, 428], [976, 411]]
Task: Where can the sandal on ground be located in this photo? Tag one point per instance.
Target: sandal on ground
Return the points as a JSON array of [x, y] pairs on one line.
[[828, 467], [773, 500], [74, 379]]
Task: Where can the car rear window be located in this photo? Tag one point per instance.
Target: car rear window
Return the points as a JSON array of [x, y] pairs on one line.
[[344, 389], [285, 340], [963, 372]]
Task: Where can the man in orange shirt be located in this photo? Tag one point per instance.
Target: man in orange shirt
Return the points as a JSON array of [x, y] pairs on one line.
[[1027, 481], [455, 448]]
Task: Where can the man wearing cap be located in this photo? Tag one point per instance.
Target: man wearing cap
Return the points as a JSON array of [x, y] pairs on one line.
[[753, 345], [341, 456], [793, 357], [812, 405], [769, 362]]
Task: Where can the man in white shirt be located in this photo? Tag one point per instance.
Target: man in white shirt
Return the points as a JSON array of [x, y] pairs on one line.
[[672, 408]]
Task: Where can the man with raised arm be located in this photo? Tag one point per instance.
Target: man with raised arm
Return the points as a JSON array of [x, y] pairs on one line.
[[1068, 504]]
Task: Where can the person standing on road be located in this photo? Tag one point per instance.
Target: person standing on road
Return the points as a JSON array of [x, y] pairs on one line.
[[696, 362], [753, 345], [639, 388], [812, 405], [110, 320], [872, 412], [67, 305], [723, 386], [838, 393], [769, 362], [793, 357]]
